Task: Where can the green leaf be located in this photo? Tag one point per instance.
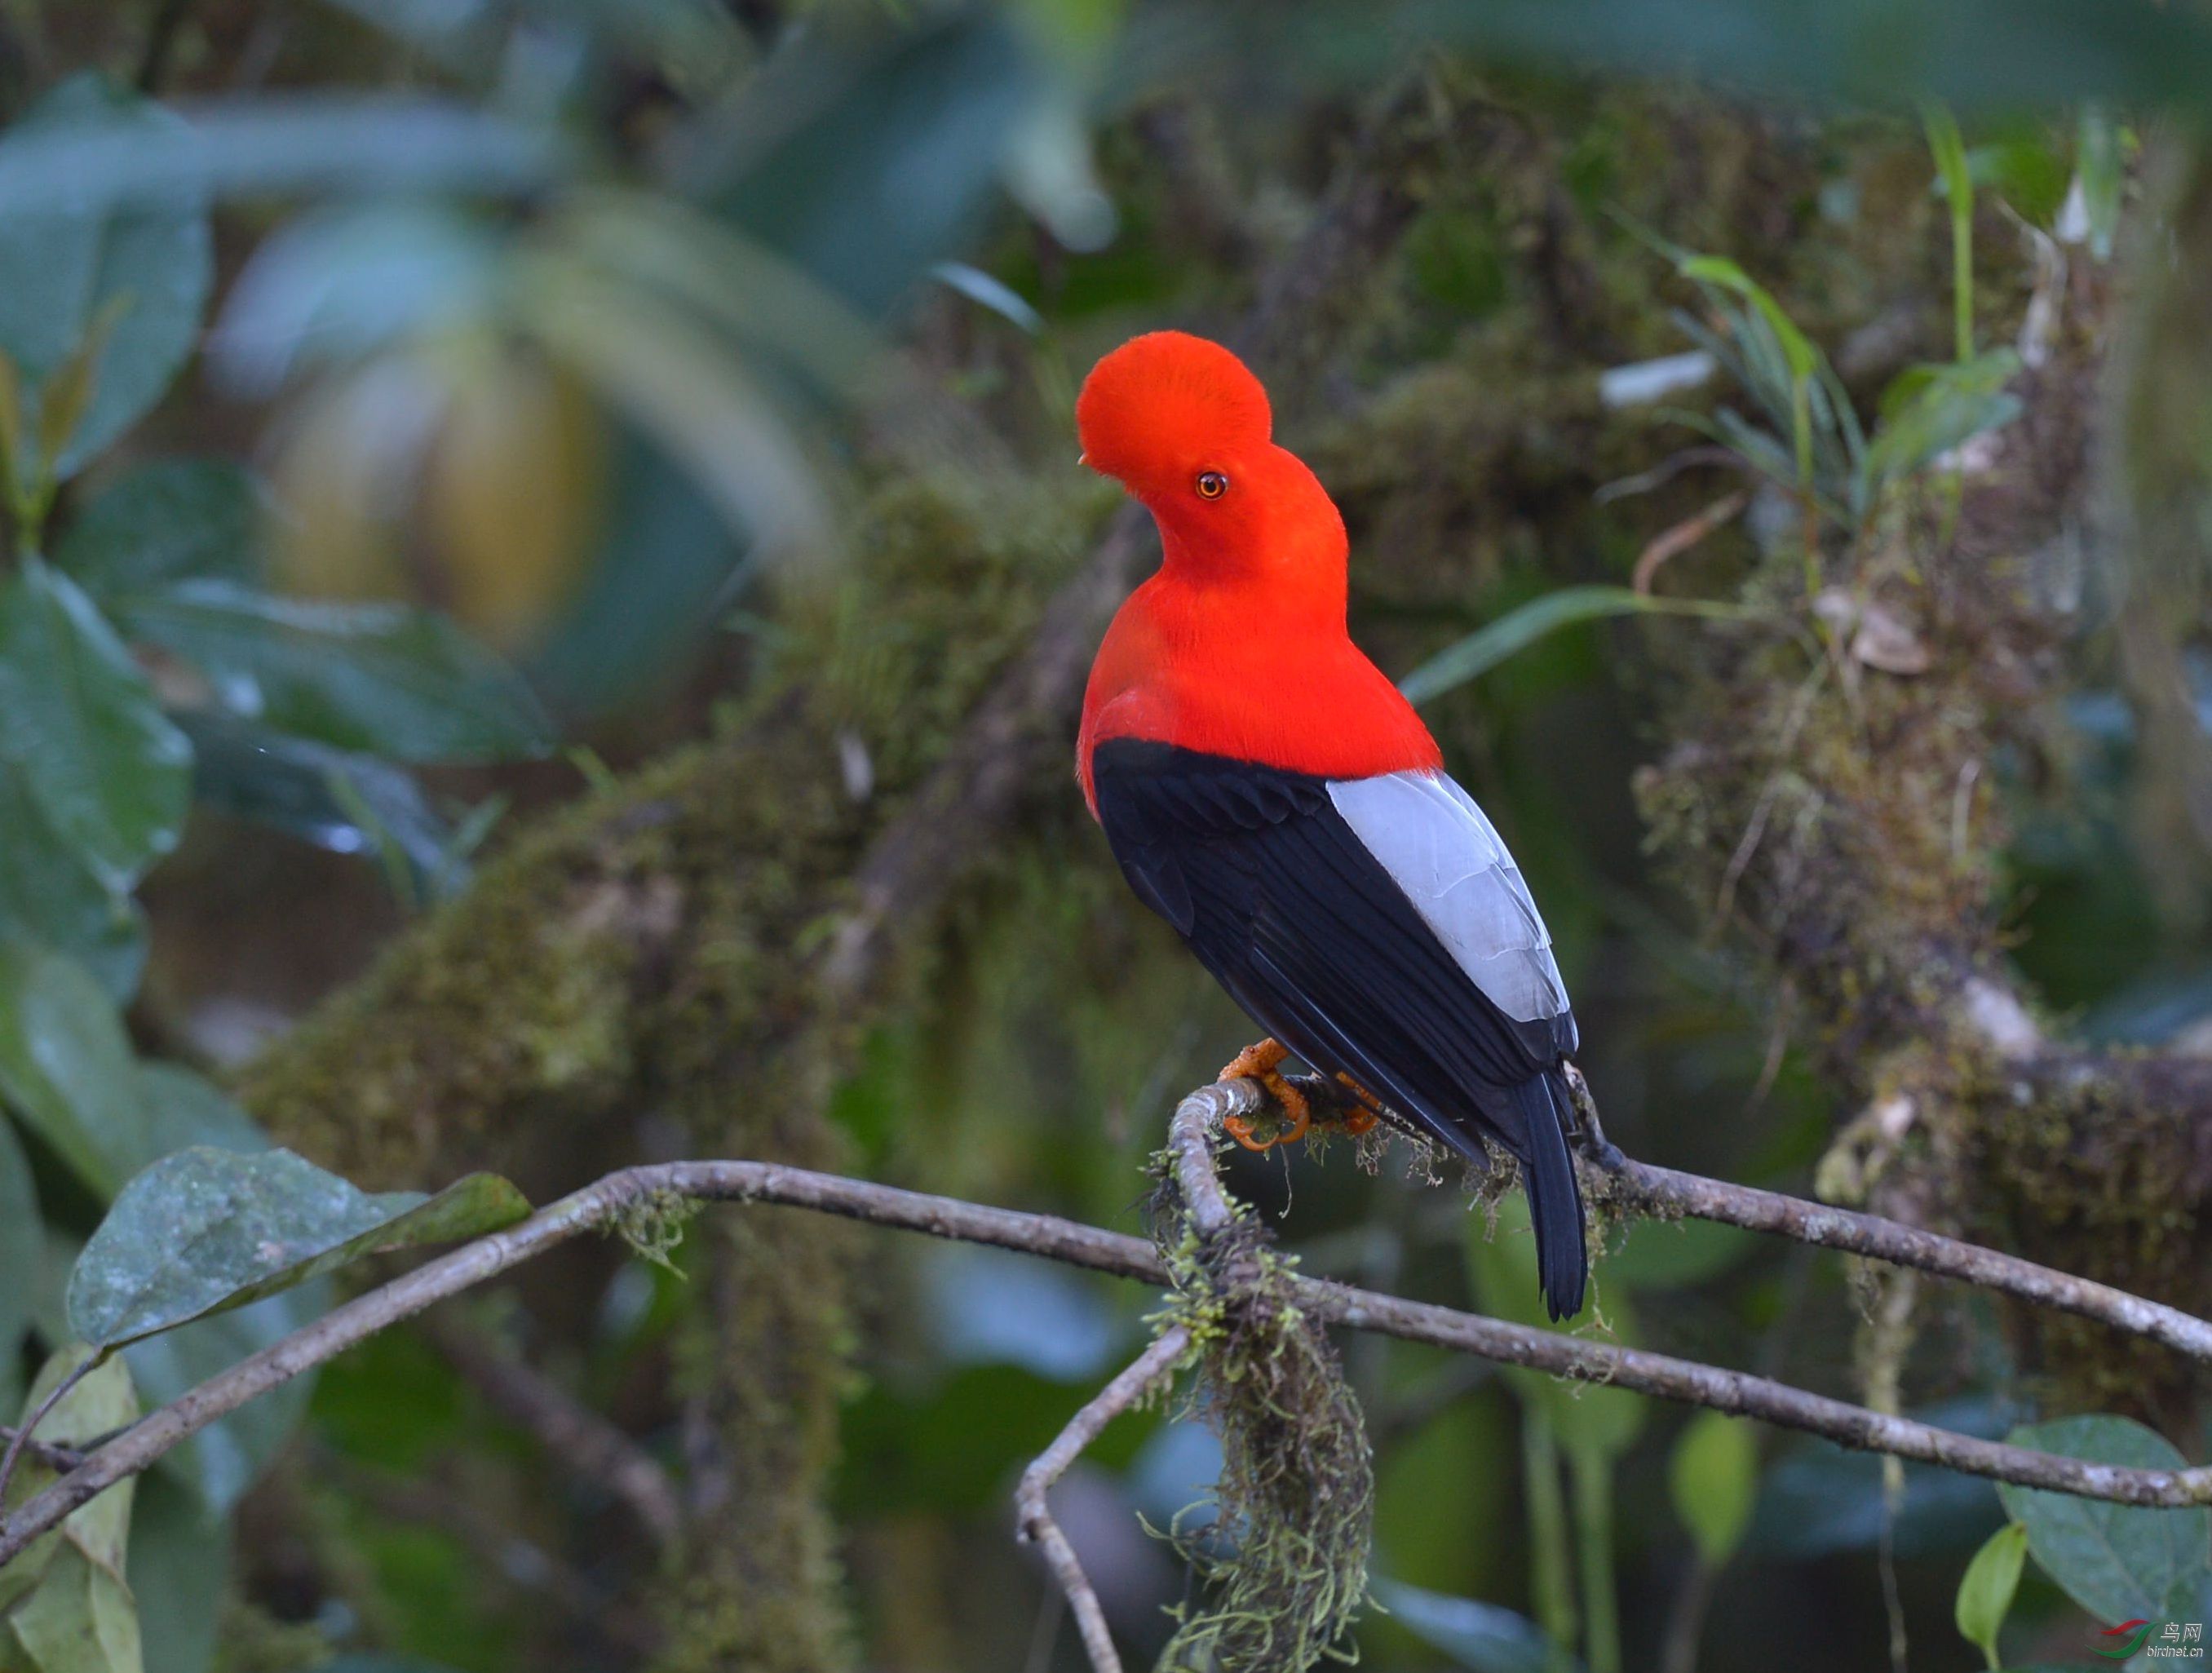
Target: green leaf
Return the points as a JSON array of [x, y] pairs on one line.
[[1714, 1476], [1485, 1637], [668, 569], [81, 1619], [20, 1242], [106, 767], [1926, 411], [1803, 361], [681, 384], [102, 1402], [2118, 1561], [766, 305], [205, 1231], [2100, 169], [2027, 169], [865, 171], [66, 1066], [989, 291], [1985, 1592], [168, 520], [179, 1573], [1520, 628], [1950, 150], [1796, 348], [145, 267], [48, 895], [286, 143], [340, 283], [99, 1534], [347, 803], [218, 1465], [380, 679]]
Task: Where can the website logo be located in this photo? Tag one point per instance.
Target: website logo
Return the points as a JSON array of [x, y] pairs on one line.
[[2123, 1641], [2167, 1640]]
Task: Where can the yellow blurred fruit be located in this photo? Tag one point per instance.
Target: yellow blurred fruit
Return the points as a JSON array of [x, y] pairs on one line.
[[511, 492], [465, 473]]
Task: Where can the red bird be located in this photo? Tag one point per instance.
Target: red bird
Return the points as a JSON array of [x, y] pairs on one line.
[[1267, 791]]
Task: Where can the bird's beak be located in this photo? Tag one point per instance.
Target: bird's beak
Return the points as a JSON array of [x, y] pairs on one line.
[[1083, 458]]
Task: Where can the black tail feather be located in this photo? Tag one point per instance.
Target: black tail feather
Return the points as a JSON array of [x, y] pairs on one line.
[[1555, 1197]]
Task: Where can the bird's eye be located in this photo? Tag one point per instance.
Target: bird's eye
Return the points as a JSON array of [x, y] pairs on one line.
[[1212, 485]]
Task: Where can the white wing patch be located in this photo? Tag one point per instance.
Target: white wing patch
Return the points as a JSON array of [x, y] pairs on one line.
[[1441, 850]]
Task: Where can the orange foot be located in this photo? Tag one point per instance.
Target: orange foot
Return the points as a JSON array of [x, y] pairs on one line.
[[1365, 1119], [1259, 1062]]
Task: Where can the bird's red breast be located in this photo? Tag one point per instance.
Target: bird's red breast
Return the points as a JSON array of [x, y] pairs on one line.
[[1237, 646]]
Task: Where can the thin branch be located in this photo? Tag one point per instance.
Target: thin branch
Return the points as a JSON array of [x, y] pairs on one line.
[[21, 1439], [599, 1205], [1663, 1191], [48, 1453], [1191, 1138], [1666, 1193], [1035, 1525], [570, 1431], [594, 1207]]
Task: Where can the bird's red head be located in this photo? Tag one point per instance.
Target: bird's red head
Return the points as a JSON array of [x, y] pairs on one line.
[[1237, 646], [1185, 427]]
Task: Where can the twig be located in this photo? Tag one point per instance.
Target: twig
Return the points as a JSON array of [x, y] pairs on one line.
[[1190, 1136], [1035, 1525], [1693, 1384], [20, 1439], [48, 1453], [1664, 1191], [1685, 1621], [570, 1430]]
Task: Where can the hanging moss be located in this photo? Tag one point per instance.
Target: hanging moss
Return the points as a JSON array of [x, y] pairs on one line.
[[1282, 1563]]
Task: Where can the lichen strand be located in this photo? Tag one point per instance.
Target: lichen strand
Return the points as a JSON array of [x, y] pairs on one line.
[[642, 956], [1283, 1563]]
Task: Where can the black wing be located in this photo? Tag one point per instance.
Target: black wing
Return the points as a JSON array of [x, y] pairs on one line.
[[1312, 936]]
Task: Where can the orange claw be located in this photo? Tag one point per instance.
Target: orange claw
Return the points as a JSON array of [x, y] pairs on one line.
[[1260, 1062], [1241, 1130], [1369, 1113]]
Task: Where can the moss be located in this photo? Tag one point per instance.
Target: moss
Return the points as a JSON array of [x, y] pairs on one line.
[[644, 956], [1844, 822], [251, 1640], [1283, 1558]]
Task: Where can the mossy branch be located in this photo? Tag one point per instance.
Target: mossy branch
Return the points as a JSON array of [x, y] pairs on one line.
[[604, 1203], [1284, 1559]]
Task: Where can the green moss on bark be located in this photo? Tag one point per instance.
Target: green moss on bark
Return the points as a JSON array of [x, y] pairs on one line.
[[642, 961]]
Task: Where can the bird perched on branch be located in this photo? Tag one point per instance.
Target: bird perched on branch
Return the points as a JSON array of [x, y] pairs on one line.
[[1269, 793]]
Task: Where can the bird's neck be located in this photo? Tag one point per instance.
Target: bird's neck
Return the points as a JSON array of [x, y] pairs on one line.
[[1220, 660]]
